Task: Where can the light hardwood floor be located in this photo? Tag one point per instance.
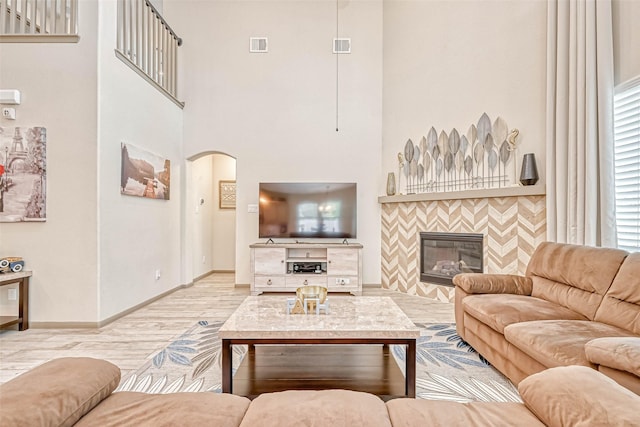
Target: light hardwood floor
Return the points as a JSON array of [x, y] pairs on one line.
[[132, 339]]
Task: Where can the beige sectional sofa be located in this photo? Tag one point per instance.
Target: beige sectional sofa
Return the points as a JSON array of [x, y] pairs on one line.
[[79, 391], [576, 305]]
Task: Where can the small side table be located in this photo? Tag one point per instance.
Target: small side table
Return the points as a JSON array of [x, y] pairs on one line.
[[22, 279]]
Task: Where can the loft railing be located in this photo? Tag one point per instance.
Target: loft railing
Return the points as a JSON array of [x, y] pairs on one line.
[[38, 21], [148, 45]]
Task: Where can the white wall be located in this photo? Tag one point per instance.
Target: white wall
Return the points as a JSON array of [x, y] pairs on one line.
[[58, 83], [202, 183], [626, 39], [275, 112], [137, 235], [447, 62], [224, 220]]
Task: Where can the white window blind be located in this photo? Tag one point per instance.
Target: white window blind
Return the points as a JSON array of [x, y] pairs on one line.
[[626, 123]]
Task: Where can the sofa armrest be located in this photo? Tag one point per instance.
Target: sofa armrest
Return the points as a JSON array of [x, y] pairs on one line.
[[57, 393], [479, 283], [622, 353], [578, 396]]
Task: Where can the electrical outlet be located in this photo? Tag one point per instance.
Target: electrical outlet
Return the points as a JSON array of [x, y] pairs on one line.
[[9, 113], [158, 275], [12, 294]]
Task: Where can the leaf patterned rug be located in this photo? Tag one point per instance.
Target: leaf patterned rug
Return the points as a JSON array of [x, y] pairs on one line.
[[447, 368]]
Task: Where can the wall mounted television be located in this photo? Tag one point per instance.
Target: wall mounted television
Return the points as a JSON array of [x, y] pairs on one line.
[[307, 210]]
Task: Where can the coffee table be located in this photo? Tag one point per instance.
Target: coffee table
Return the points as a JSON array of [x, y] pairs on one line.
[[353, 320]]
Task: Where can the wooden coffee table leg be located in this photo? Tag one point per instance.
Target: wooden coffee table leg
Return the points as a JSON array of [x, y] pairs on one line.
[[227, 366], [410, 377]]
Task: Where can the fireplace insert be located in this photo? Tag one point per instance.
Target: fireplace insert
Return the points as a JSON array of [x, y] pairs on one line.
[[443, 255]]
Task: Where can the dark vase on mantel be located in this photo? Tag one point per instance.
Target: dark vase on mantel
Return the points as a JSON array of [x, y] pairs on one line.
[[529, 171]]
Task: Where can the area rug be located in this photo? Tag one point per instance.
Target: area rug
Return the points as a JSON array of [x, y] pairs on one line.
[[447, 368]]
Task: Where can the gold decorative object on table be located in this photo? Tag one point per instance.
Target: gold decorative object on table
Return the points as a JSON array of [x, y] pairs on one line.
[[309, 298]]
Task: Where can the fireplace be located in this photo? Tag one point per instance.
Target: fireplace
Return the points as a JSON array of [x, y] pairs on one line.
[[443, 255]]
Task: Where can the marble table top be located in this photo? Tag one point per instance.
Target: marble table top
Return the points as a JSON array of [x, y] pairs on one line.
[[350, 317]]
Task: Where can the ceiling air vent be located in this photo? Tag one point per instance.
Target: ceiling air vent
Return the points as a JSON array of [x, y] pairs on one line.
[[258, 44], [341, 45]]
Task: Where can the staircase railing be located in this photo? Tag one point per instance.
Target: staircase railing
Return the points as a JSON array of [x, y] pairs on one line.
[[148, 45], [38, 21]]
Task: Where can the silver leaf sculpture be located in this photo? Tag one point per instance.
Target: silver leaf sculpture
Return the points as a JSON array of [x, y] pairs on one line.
[[444, 149], [408, 155], [441, 161], [505, 153], [484, 128], [472, 135], [454, 147], [478, 156], [499, 131], [459, 161], [492, 157], [468, 167], [423, 145], [464, 145]]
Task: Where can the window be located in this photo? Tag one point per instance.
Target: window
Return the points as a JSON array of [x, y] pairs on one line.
[[626, 124]]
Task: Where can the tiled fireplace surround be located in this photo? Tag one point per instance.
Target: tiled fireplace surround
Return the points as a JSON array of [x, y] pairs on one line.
[[513, 222]]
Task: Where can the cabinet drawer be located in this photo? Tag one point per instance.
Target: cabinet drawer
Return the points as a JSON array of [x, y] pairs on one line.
[[294, 281], [269, 282]]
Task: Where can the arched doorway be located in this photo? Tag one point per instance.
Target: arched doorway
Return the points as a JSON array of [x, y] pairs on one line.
[[212, 213]]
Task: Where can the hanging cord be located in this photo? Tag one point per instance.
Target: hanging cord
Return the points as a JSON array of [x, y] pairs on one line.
[[337, 68]]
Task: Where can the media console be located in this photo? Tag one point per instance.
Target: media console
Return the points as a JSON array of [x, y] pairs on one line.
[[284, 267]]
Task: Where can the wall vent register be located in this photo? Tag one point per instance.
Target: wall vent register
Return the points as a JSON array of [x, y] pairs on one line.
[[258, 44], [341, 45]]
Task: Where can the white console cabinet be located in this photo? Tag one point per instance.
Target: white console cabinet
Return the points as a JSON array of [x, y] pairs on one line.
[[284, 267]]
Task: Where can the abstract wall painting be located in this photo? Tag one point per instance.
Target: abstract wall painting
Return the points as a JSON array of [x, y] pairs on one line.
[[23, 174], [144, 174]]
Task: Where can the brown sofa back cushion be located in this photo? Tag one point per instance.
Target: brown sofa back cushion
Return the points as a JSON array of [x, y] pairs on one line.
[[576, 277], [129, 408], [621, 304], [57, 393], [579, 396], [317, 408]]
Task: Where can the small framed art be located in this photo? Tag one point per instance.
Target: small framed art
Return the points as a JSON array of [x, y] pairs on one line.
[[227, 195]]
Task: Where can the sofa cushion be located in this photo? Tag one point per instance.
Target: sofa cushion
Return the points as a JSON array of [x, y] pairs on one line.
[[336, 408], [576, 277], [558, 342], [501, 310], [481, 283], [621, 303], [624, 378], [42, 396], [439, 413], [579, 396], [618, 353], [174, 409]]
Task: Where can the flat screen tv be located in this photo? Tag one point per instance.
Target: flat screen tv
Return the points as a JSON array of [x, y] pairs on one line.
[[311, 210]]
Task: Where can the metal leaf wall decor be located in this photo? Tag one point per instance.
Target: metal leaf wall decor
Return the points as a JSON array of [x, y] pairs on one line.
[[483, 157]]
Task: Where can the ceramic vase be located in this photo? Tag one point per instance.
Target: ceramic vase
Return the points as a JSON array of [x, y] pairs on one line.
[[529, 171], [391, 184]]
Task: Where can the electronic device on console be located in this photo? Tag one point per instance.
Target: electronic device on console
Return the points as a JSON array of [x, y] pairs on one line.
[[306, 267]]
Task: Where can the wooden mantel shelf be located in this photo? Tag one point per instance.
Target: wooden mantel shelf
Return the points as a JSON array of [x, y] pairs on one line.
[[485, 193]]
